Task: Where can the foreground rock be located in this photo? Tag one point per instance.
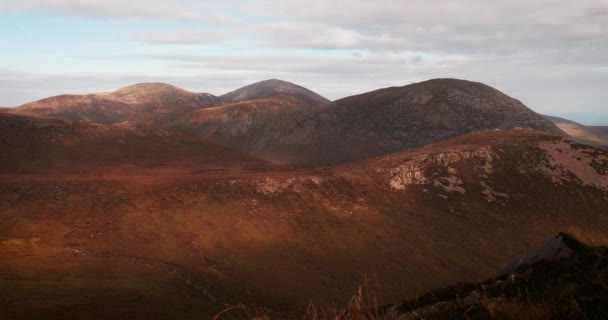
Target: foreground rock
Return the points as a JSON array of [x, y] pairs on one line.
[[560, 279]]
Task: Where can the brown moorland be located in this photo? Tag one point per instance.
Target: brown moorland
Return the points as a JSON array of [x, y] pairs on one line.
[[591, 135], [46, 146], [155, 244]]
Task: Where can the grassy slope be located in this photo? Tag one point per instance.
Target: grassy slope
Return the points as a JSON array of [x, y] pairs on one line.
[[184, 247], [592, 135]]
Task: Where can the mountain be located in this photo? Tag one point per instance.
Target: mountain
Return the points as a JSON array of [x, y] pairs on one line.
[[166, 245], [283, 122], [393, 119], [94, 108], [268, 88], [161, 94], [249, 126], [592, 135], [141, 104], [38, 145]]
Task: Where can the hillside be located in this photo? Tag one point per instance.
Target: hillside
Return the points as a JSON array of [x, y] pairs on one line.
[[36, 145], [187, 246], [599, 130], [393, 119], [140, 104], [92, 108], [592, 135], [249, 126], [268, 88], [161, 94]]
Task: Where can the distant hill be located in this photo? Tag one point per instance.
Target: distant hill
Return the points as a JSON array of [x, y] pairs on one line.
[[268, 88], [592, 135], [93, 108], [141, 104]]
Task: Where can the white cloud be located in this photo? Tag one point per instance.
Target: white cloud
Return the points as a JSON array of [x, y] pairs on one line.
[[187, 10], [551, 54]]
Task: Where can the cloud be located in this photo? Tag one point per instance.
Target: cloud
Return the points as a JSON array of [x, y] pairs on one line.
[[185, 10], [462, 26], [199, 37], [551, 54]]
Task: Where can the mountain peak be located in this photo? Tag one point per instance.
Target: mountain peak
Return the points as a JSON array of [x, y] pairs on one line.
[[146, 87], [270, 87], [157, 93]]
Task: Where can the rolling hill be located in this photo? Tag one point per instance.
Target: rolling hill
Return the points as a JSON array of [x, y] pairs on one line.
[[187, 246], [38, 145], [140, 104], [267, 88], [592, 135]]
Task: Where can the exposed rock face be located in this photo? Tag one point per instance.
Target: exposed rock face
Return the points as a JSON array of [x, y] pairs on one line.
[[552, 250], [561, 161], [393, 119], [412, 171], [268, 88], [586, 165]]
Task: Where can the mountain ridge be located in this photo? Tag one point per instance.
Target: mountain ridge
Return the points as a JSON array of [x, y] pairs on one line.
[[135, 103], [282, 122], [267, 88]]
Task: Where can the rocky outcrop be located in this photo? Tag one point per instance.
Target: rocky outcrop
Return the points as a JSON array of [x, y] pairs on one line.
[[562, 277]]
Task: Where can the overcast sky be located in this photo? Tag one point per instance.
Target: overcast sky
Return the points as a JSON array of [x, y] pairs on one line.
[[551, 54]]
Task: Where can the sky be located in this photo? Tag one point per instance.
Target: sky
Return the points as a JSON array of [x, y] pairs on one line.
[[550, 54]]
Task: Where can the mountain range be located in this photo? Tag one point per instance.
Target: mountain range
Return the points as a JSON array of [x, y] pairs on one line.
[[283, 122], [155, 202]]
